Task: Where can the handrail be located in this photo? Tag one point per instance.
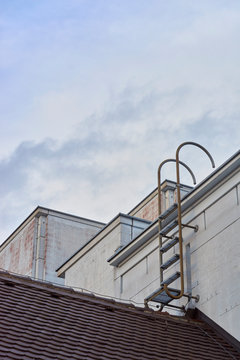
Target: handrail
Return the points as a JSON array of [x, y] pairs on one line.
[[180, 215], [159, 200]]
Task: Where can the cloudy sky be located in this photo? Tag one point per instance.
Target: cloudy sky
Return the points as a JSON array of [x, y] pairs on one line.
[[96, 93]]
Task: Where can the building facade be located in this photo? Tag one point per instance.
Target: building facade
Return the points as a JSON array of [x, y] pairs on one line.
[[43, 241], [122, 258], [211, 254]]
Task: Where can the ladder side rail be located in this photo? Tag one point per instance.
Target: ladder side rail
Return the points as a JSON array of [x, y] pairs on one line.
[[180, 214], [160, 205]]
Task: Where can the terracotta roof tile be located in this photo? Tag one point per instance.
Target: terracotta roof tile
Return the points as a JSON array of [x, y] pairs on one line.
[[43, 322]]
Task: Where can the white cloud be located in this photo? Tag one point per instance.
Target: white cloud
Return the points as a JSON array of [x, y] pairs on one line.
[[113, 161], [114, 88]]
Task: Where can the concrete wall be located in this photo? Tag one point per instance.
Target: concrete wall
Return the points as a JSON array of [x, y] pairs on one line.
[[17, 255], [214, 268], [44, 241], [139, 275], [91, 270], [63, 238], [148, 208], [215, 255]]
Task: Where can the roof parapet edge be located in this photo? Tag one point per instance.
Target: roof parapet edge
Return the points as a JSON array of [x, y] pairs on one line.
[[41, 211], [199, 315], [118, 216], [186, 205]]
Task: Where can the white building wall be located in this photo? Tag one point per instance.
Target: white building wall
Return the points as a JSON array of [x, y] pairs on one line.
[[215, 259], [63, 238], [140, 274], [92, 271], [16, 255], [211, 270], [44, 241]]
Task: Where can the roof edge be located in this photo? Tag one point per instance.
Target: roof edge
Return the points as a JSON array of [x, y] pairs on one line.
[[199, 315], [195, 194], [152, 194], [86, 295], [62, 268], [38, 211], [58, 290]]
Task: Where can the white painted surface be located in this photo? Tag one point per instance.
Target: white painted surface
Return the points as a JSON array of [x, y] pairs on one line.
[[64, 238], [92, 271]]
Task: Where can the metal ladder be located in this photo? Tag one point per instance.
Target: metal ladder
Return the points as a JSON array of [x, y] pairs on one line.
[[164, 294]]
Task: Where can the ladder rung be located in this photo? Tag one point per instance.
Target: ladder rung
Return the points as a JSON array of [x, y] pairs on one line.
[[171, 279], [168, 211], [169, 245], [161, 296], [168, 228], [168, 237], [169, 262]]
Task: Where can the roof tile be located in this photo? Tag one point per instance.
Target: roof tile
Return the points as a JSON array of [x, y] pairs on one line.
[[43, 322]]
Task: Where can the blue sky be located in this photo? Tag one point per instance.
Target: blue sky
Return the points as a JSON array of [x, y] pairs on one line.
[[95, 94]]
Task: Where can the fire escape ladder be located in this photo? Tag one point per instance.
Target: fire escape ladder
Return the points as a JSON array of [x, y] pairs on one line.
[[167, 240]]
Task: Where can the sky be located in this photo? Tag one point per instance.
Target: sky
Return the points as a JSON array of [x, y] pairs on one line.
[[94, 94]]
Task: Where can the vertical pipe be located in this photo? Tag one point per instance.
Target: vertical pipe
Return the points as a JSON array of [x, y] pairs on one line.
[[188, 269], [40, 251], [159, 221]]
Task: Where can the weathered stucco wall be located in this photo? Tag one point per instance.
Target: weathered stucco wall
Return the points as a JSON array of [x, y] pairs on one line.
[[215, 255], [148, 208], [17, 256], [63, 238], [44, 241], [92, 271], [148, 211]]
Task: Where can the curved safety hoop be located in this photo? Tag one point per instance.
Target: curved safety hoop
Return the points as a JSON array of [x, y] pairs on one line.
[[160, 199], [159, 179], [180, 215]]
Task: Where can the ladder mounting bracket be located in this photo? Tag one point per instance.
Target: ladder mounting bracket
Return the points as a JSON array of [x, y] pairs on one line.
[[195, 228]]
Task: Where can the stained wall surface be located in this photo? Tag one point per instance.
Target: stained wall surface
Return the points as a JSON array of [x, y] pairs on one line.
[[18, 255], [148, 208], [44, 241]]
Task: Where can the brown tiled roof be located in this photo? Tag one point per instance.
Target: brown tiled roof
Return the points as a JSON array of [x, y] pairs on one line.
[[43, 322]]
